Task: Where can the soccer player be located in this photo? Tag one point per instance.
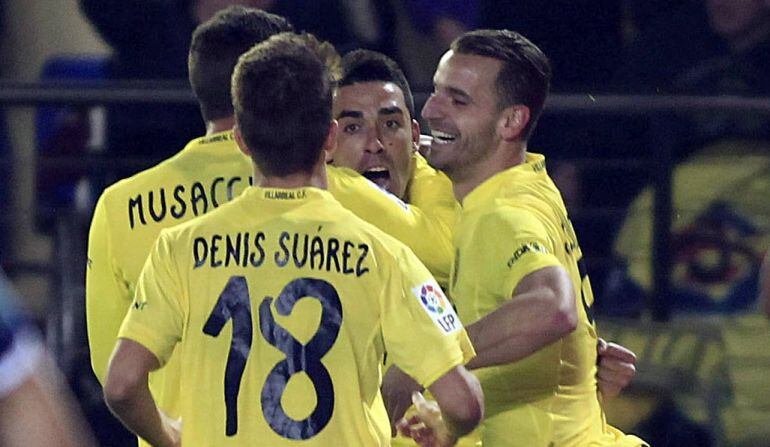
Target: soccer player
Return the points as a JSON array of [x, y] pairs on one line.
[[286, 295], [519, 274], [204, 175], [378, 137]]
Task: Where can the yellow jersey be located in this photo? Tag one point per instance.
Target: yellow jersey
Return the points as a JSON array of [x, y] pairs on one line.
[[511, 225], [430, 190], [281, 305], [208, 172]]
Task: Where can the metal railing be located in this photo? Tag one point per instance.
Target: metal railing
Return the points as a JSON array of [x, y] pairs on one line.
[[656, 109]]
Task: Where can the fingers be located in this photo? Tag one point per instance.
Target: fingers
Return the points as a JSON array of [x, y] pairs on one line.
[[601, 346], [618, 352], [613, 376]]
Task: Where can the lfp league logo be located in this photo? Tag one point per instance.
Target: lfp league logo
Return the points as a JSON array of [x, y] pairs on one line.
[[437, 306]]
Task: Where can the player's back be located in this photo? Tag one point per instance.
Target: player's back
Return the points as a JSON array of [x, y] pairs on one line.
[[207, 173], [288, 302]]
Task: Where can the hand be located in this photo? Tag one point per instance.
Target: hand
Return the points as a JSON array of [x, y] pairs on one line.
[[426, 427], [397, 388], [173, 429], [616, 368]]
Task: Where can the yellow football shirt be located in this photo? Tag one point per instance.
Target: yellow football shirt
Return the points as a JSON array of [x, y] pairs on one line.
[[281, 305], [511, 225], [431, 191], [207, 173]]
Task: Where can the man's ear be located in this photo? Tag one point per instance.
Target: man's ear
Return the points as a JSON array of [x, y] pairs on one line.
[[513, 120], [330, 145], [239, 139], [415, 136]]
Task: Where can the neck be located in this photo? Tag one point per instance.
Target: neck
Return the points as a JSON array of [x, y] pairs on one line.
[[471, 177], [219, 125], [315, 178]]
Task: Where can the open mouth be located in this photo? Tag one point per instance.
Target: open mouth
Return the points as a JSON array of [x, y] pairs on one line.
[[442, 137], [379, 176]]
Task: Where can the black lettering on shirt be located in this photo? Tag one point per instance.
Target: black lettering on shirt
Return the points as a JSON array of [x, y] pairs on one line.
[[197, 195], [300, 262], [214, 201], [233, 249], [253, 259], [281, 262], [215, 240], [158, 216], [527, 247], [180, 208], [360, 270], [135, 206], [200, 251]]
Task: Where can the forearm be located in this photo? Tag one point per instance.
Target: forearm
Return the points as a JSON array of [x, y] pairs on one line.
[[137, 410], [519, 328]]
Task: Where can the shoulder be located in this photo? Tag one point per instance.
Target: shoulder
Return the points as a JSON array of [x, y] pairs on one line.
[[138, 183]]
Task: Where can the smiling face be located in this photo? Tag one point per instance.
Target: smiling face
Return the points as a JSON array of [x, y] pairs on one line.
[[377, 137], [462, 112]]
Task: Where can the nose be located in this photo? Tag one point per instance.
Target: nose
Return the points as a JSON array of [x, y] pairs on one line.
[[431, 108], [373, 142]]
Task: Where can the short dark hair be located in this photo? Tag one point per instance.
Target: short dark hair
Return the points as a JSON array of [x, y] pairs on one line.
[[215, 48], [525, 75], [370, 66], [282, 95]]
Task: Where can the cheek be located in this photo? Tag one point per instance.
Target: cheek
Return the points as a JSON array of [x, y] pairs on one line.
[[348, 148]]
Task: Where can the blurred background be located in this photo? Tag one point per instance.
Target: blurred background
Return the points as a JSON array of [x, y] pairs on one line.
[[657, 134]]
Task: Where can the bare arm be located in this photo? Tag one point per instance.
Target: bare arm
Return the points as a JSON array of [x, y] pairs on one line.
[[458, 394], [41, 413], [128, 395], [542, 310]]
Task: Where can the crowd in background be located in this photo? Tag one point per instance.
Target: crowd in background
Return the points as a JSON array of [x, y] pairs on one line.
[[721, 226]]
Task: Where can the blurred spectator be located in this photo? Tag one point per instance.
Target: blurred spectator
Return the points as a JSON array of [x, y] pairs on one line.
[[444, 19], [719, 235], [721, 216], [581, 38], [35, 408], [708, 47]]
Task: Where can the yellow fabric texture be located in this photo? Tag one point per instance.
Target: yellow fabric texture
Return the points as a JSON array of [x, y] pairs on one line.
[[292, 287], [208, 172], [512, 225]]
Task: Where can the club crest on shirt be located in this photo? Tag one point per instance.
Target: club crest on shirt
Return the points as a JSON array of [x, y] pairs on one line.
[[437, 306]]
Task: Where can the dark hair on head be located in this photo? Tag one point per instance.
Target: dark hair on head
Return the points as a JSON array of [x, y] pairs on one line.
[[371, 66], [282, 95], [525, 75], [215, 48]]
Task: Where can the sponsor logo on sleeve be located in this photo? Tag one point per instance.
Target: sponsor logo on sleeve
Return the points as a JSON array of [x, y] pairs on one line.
[[528, 247], [438, 307]]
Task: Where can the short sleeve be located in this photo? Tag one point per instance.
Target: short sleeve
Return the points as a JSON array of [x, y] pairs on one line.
[[156, 316], [523, 243], [423, 334]]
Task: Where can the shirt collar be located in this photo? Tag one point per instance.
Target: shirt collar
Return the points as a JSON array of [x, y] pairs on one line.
[[532, 168]]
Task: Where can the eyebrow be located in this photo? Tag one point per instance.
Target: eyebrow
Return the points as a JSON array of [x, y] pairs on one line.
[[390, 111], [350, 114]]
